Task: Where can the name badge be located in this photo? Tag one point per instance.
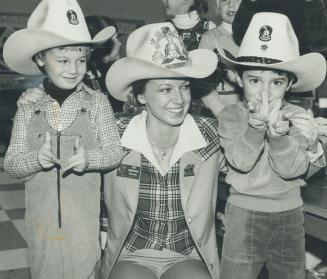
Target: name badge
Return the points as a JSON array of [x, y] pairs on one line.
[[128, 171], [189, 170]]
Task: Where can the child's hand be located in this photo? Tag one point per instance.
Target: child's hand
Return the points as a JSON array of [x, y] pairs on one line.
[[78, 162], [278, 124], [30, 96], [258, 116], [322, 124], [45, 156], [308, 127]]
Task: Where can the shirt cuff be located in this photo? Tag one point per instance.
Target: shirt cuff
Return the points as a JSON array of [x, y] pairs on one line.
[[33, 161], [254, 136], [94, 161], [278, 143], [314, 157]]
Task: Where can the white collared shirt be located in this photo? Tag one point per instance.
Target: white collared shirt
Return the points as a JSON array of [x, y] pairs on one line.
[[135, 138]]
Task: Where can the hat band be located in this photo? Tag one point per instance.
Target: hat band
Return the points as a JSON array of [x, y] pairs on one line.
[[257, 59]]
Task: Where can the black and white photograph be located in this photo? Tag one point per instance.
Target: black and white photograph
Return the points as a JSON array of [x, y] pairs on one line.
[[163, 139]]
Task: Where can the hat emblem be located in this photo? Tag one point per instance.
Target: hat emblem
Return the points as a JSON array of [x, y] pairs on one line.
[[170, 51], [264, 47], [265, 33], [72, 17]]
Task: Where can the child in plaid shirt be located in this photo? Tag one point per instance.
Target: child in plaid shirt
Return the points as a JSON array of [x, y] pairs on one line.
[[61, 142]]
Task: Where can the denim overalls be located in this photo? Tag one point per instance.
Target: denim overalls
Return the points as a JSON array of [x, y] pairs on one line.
[[62, 211]]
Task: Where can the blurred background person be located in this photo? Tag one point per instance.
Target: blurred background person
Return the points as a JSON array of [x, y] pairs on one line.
[[102, 57], [188, 20]]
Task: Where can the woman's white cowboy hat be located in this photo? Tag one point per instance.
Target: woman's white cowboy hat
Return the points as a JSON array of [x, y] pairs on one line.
[[53, 23], [270, 42], [157, 51]]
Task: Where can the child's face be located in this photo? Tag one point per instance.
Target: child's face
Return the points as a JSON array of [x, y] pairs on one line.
[[228, 9], [65, 66], [176, 7], [255, 83]]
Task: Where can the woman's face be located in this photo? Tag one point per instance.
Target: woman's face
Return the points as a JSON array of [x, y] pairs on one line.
[[114, 53], [167, 100]]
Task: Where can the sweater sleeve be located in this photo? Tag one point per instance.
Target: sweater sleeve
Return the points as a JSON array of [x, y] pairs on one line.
[[20, 162], [242, 144], [206, 41], [287, 154], [109, 153]]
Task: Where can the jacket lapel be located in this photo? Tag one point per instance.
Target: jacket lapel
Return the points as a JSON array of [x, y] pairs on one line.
[[190, 164], [130, 169]]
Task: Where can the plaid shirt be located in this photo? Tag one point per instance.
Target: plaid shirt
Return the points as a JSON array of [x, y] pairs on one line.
[[160, 221], [21, 162]]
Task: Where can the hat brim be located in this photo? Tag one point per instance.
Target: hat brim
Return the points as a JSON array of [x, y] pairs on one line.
[[309, 69], [22, 45], [129, 69]]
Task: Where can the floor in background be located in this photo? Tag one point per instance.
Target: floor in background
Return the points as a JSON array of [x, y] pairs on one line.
[[13, 260]]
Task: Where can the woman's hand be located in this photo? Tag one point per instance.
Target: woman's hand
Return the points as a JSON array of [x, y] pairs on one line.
[[212, 102], [31, 96]]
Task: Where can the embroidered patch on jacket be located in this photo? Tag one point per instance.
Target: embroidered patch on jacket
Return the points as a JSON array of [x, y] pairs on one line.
[[265, 33], [128, 171], [189, 170], [72, 17]]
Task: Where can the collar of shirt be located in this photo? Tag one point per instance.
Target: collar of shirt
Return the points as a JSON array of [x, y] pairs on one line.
[[186, 21], [228, 27], [135, 138], [60, 117]]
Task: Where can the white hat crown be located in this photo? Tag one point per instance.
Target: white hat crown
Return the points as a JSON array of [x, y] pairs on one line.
[[53, 23], [62, 17], [271, 43], [157, 51], [159, 44], [270, 37]]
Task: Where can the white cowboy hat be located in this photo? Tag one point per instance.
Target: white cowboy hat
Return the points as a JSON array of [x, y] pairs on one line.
[[270, 42], [53, 23], [157, 51]]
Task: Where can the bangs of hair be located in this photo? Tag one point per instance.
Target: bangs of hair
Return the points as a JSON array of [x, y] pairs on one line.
[[76, 48], [241, 69]]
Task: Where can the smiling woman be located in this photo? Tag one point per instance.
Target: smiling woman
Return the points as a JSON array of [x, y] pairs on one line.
[[161, 199]]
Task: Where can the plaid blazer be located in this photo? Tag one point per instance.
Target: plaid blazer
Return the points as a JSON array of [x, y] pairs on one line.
[[199, 171]]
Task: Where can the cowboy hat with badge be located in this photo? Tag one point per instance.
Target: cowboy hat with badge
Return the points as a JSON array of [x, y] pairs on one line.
[[53, 23], [270, 42], [157, 51], [61, 220]]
